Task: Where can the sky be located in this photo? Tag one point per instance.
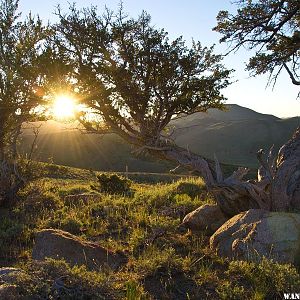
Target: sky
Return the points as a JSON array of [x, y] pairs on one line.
[[194, 19]]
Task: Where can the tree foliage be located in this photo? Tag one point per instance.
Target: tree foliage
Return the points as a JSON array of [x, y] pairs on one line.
[[21, 64], [133, 77], [271, 28], [19, 69]]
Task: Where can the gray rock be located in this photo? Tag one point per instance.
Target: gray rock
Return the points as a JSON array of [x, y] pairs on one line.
[[257, 233], [206, 218], [59, 244]]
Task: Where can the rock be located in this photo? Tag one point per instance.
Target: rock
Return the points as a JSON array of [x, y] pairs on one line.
[[9, 292], [207, 218], [258, 233], [59, 244]]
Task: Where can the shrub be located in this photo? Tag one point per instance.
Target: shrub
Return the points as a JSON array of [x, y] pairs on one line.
[[134, 291], [46, 201], [15, 237], [162, 195], [112, 184], [185, 193]]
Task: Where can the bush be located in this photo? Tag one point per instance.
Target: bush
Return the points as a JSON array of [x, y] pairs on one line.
[[15, 238], [38, 196], [112, 184]]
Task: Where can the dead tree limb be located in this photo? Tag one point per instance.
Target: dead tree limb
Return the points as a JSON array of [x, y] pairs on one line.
[[276, 188]]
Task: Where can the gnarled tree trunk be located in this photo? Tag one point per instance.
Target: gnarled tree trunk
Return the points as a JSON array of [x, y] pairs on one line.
[[10, 182], [286, 181], [276, 188], [10, 179]]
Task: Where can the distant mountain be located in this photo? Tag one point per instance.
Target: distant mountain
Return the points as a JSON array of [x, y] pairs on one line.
[[233, 135], [232, 112]]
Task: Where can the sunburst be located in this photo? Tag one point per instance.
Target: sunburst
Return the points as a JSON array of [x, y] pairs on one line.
[[64, 107]]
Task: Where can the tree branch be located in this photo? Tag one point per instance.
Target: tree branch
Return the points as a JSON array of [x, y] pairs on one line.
[[294, 80]]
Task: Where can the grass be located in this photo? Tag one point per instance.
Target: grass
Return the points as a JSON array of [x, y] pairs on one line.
[[164, 261]]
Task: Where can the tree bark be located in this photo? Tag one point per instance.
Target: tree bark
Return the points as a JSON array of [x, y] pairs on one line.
[[10, 182], [286, 182]]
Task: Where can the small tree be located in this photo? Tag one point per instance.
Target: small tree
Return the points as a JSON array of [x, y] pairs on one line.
[[135, 80], [21, 53], [272, 28]]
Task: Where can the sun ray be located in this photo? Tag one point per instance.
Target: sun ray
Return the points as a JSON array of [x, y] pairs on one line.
[[64, 107]]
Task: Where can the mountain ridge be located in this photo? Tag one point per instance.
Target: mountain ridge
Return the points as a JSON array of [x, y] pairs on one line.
[[234, 136]]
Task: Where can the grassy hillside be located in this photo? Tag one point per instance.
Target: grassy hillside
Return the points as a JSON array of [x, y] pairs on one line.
[[234, 136], [72, 148], [164, 261]]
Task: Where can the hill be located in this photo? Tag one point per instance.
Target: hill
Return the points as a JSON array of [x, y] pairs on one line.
[[233, 135]]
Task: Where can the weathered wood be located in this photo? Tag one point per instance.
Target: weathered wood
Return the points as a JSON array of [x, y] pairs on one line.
[[277, 187], [191, 161], [286, 182], [219, 173]]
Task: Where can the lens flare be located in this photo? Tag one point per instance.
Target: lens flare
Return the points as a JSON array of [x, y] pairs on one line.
[[64, 107]]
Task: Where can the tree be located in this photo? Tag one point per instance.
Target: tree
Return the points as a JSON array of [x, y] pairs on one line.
[[135, 81], [21, 52], [272, 28]]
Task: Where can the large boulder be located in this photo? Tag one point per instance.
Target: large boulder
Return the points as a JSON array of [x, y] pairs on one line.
[[207, 218], [257, 233], [59, 244]]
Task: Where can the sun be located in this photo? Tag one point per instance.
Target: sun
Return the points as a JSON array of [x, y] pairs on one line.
[[64, 107]]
